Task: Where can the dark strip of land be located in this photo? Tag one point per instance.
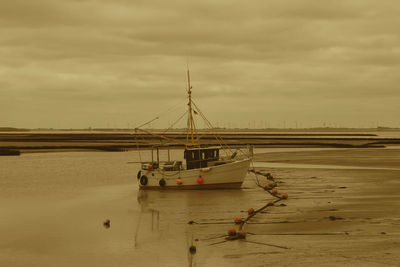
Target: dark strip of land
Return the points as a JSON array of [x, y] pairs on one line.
[[31, 142]]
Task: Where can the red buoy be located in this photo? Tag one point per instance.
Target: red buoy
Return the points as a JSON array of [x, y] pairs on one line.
[[250, 211], [241, 234], [232, 232], [200, 180], [238, 220]]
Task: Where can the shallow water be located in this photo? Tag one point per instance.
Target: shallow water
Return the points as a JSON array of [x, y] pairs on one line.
[[53, 206]]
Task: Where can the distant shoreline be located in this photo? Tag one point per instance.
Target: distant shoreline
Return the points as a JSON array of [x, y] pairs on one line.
[[219, 130], [28, 142]]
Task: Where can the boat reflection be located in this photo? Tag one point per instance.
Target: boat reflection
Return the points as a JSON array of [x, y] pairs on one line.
[[173, 220]]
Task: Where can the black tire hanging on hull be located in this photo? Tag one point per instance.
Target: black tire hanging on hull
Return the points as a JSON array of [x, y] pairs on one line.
[[162, 182], [144, 180]]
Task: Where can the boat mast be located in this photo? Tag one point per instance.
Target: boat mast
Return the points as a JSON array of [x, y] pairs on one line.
[[191, 125]]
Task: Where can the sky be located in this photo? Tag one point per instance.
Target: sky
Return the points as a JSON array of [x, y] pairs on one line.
[[120, 63]]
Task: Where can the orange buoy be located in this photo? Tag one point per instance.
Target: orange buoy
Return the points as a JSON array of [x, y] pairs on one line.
[[238, 220], [271, 184], [179, 181], [285, 196], [241, 234], [274, 192], [266, 187], [150, 166], [200, 180], [250, 211], [271, 203], [232, 232]]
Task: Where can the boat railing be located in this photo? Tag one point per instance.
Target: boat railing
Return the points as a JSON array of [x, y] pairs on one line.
[[164, 165]]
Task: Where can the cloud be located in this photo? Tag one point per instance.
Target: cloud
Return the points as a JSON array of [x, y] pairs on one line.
[[99, 57]]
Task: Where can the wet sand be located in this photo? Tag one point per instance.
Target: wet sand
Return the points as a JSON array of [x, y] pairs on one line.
[[332, 218], [53, 209], [376, 157]]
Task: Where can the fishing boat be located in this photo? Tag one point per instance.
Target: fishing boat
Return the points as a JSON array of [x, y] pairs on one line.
[[202, 167]]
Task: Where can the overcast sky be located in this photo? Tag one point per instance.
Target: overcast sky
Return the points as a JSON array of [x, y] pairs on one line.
[[79, 64]]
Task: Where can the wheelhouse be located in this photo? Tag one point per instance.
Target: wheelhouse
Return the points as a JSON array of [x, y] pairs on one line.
[[201, 157]]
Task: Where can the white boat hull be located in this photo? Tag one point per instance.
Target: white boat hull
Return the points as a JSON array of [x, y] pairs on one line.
[[229, 175]]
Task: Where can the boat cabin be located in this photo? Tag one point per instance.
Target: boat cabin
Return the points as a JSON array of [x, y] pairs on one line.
[[201, 157]]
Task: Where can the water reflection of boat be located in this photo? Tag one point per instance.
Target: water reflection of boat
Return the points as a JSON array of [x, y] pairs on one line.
[[203, 168]]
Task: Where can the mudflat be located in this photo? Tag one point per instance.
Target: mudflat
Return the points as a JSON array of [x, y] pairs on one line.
[[54, 206], [372, 157], [333, 217]]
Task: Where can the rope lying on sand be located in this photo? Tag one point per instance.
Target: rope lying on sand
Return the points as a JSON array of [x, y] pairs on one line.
[[271, 189], [241, 234]]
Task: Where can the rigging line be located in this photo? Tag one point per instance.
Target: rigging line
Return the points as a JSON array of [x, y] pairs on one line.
[[176, 104], [187, 132], [195, 132], [162, 114], [165, 173], [161, 136], [254, 169], [137, 146], [142, 141], [219, 139], [150, 121], [173, 124], [210, 126]]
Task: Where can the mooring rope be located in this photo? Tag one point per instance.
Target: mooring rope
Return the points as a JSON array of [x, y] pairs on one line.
[[271, 189]]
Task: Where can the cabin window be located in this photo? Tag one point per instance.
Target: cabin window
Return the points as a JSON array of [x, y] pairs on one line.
[[200, 158]]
